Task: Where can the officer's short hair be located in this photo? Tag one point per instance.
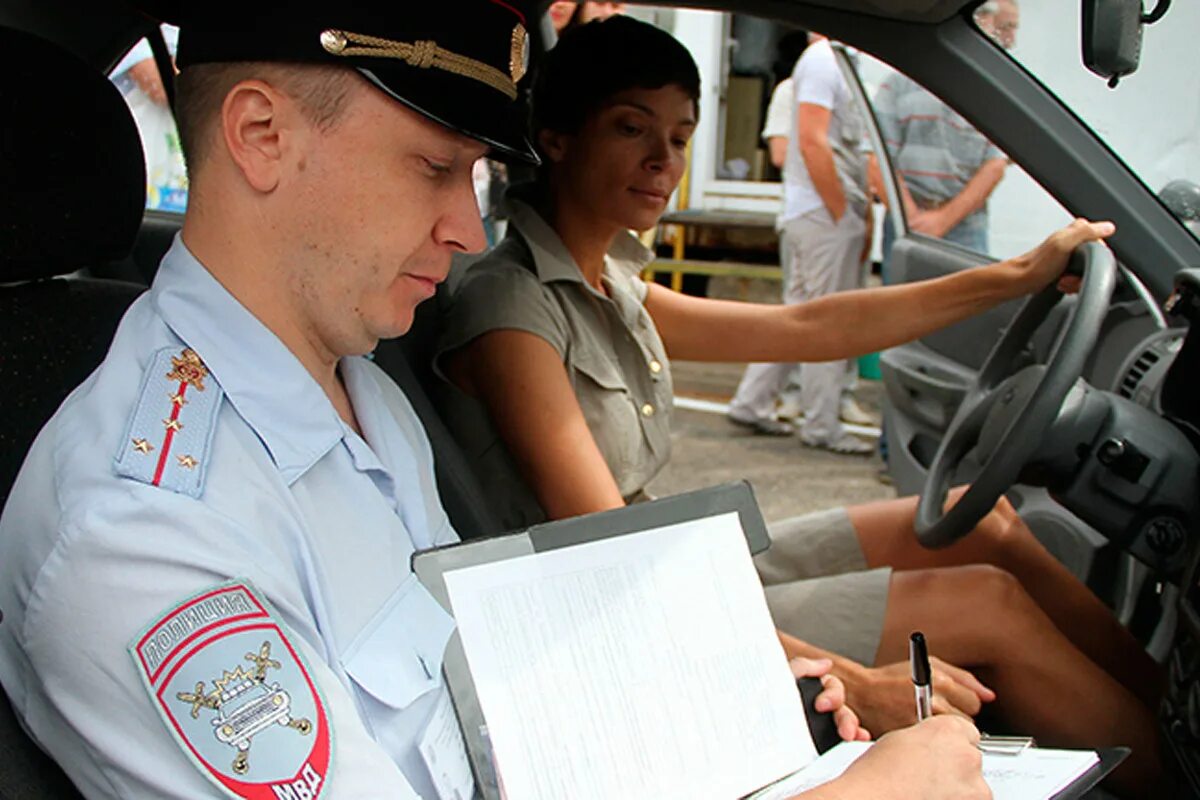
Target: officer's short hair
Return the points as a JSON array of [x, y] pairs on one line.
[[319, 90], [595, 61]]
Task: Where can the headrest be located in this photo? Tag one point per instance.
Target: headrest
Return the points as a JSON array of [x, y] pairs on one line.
[[72, 177]]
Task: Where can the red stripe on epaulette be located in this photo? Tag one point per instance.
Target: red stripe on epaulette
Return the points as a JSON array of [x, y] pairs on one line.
[[166, 444]]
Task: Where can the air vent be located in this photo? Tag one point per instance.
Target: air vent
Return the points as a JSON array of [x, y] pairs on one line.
[[1133, 378]]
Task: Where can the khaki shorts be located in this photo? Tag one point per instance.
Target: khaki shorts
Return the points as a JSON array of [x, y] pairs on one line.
[[819, 588]]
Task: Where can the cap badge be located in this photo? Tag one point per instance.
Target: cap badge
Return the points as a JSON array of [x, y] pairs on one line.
[[423, 54], [518, 57]]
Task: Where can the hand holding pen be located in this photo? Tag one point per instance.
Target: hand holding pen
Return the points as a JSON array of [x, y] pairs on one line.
[[922, 678]]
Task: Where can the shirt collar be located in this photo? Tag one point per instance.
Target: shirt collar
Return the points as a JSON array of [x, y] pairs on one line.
[[265, 382], [552, 260]]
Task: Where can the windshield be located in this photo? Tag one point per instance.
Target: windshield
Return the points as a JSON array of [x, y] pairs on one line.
[[1151, 119]]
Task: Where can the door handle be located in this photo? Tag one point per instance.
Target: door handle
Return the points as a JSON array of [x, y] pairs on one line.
[[918, 391]]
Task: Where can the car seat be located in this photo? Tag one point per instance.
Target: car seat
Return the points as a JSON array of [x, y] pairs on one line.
[[409, 362], [72, 191]]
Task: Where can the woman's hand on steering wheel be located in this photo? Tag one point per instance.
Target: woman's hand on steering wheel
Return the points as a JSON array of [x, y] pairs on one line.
[[1046, 262]]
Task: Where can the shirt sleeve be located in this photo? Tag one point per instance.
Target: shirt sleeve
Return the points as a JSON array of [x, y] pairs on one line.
[[501, 294], [101, 717], [780, 111], [817, 80], [992, 152]]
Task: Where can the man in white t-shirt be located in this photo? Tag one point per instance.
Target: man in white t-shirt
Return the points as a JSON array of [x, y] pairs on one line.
[[823, 230]]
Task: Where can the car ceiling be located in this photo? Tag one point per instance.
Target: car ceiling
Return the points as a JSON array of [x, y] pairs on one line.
[[100, 31]]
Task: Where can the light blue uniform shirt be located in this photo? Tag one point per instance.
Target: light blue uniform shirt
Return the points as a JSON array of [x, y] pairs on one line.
[[278, 492]]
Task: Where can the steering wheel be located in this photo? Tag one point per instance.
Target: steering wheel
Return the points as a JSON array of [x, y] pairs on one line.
[[1005, 413]]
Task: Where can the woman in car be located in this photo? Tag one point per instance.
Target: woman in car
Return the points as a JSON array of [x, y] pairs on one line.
[[558, 386]]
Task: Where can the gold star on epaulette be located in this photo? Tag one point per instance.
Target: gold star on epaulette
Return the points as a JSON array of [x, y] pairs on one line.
[[142, 446], [172, 424], [187, 462]]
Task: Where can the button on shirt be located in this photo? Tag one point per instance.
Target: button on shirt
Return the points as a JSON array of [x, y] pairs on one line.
[[322, 522], [612, 353]]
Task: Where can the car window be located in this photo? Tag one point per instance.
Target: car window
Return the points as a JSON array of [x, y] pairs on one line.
[[1151, 119], [138, 78]]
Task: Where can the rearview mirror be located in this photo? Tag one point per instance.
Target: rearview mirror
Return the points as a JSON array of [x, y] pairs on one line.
[[1112, 35]]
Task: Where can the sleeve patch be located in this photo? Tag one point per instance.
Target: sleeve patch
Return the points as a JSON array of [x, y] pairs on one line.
[[170, 432], [237, 696]]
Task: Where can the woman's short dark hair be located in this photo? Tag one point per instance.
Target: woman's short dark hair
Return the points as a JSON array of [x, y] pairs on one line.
[[597, 60]]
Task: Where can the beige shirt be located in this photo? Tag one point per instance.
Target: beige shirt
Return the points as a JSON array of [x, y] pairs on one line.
[[609, 346]]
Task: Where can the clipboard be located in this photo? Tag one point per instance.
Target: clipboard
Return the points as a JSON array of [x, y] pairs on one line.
[[430, 567], [1110, 759]]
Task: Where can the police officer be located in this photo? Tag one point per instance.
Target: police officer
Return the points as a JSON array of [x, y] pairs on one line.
[[222, 603]]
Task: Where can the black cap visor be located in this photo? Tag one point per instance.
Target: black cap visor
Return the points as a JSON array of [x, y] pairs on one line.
[[480, 112]]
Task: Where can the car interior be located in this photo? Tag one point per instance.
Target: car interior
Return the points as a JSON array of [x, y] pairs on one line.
[[1106, 474]]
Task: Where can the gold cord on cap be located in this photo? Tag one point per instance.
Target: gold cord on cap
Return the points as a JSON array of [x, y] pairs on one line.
[[423, 54]]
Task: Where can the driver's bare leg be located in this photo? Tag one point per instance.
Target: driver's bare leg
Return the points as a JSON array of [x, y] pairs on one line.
[[885, 532], [980, 618]]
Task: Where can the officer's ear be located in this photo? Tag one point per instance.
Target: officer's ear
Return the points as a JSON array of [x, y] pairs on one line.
[[553, 144], [254, 123]]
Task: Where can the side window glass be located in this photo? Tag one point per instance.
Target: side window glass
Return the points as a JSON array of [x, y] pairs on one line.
[[955, 184], [138, 78]]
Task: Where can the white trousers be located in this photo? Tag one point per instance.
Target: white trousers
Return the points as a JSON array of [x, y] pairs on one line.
[[819, 257]]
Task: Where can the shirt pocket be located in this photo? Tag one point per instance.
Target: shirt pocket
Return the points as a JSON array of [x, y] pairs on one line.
[[611, 411], [397, 657]]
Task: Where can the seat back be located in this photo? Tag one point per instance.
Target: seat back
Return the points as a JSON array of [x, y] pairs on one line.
[[409, 362], [72, 191]]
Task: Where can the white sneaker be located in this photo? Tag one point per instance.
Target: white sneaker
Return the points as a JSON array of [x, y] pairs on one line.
[[855, 414], [847, 445], [789, 409]]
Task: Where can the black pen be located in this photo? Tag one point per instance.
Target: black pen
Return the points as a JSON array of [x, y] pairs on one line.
[[922, 675]]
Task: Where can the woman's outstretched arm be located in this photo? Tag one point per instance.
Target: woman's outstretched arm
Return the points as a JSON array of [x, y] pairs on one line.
[[849, 324]]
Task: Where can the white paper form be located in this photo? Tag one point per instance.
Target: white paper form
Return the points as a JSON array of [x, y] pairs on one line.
[[445, 754], [1035, 774], [644, 665]]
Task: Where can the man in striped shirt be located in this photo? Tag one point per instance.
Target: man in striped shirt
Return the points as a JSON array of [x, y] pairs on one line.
[[948, 168]]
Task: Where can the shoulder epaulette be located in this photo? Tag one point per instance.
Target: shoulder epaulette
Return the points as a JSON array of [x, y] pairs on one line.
[[171, 429]]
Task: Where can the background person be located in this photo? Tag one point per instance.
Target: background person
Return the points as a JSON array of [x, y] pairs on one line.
[[947, 169], [823, 243], [777, 126], [137, 76], [559, 390]]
